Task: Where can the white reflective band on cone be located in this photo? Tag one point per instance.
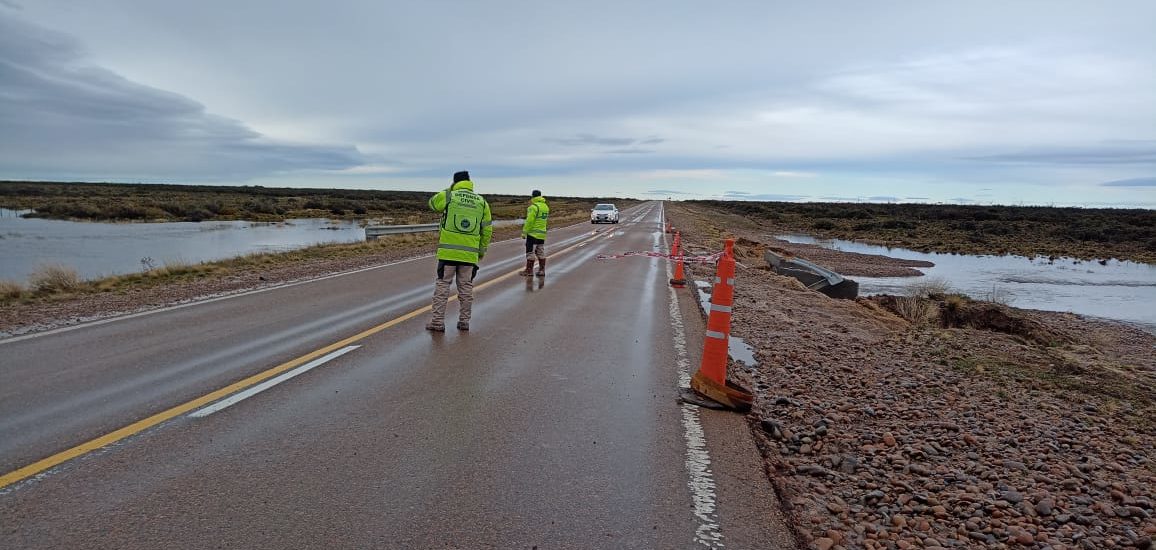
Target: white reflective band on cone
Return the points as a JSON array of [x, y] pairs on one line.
[[724, 309], [730, 280], [715, 334]]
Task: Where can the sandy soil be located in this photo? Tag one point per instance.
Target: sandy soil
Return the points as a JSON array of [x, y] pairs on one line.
[[979, 426]]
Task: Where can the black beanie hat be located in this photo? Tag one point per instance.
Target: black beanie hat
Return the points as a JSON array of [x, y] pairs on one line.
[[536, 193], [461, 176]]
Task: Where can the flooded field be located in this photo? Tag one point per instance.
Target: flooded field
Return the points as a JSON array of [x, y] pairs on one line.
[[97, 249], [1113, 289]]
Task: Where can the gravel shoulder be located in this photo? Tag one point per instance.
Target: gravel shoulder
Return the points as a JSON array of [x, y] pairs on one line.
[[982, 426]]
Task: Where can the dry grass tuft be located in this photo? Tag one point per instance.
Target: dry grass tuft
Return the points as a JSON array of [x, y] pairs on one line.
[[915, 309], [920, 304], [998, 296], [930, 288], [54, 278], [10, 290]]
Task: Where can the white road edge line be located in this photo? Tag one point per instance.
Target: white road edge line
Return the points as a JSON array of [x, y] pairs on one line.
[[236, 397], [701, 481]]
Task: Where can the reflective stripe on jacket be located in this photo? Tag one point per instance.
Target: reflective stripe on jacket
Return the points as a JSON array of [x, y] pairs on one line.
[[536, 216], [467, 224]]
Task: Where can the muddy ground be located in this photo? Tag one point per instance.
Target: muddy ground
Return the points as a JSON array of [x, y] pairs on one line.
[[975, 425]]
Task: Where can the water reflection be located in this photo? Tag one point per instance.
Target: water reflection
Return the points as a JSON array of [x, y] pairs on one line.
[[1114, 289], [96, 249], [535, 283], [737, 348]]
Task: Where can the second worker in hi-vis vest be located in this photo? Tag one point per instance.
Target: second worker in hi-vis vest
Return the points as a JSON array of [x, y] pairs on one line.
[[534, 231], [467, 226]]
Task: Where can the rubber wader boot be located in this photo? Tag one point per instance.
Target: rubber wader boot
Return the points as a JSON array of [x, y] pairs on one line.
[[542, 267], [529, 268]]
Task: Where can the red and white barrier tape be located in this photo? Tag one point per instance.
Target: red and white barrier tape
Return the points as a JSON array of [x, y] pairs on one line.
[[713, 258]]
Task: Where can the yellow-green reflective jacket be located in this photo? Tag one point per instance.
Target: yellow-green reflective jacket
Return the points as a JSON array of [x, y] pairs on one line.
[[467, 224], [536, 216]]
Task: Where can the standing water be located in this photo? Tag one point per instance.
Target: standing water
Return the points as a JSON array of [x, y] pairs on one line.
[[96, 249], [737, 348], [1114, 290]]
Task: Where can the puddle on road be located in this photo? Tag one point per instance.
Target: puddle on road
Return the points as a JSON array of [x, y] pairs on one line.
[[736, 347]]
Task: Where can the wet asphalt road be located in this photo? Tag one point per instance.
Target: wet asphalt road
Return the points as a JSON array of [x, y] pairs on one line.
[[552, 424]]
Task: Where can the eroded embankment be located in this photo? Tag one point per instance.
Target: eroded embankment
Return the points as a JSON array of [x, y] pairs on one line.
[[965, 424]]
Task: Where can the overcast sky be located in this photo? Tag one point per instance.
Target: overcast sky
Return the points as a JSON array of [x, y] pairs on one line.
[[1047, 102]]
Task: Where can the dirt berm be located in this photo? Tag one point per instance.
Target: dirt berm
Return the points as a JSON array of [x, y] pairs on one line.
[[942, 422]]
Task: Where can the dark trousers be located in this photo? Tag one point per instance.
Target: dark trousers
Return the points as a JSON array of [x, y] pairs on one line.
[[535, 247]]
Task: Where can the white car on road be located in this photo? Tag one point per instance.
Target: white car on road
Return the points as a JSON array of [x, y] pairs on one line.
[[604, 213]]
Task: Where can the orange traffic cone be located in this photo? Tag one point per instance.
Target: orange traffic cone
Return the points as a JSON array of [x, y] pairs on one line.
[[711, 379], [679, 280]]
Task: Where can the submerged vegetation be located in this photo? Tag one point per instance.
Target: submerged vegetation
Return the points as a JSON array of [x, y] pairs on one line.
[[163, 202], [1085, 233]]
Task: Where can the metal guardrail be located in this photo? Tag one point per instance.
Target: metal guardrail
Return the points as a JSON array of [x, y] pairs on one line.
[[832, 277], [375, 231], [778, 261], [813, 276]]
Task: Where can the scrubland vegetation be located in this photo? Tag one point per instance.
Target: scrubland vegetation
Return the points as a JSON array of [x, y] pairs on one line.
[[160, 202], [1085, 233]]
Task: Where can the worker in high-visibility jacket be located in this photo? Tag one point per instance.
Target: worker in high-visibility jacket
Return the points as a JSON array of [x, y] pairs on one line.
[[466, 228], [534, 231]]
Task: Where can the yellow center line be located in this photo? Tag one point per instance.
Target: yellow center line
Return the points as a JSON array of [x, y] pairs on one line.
[[146, 423]]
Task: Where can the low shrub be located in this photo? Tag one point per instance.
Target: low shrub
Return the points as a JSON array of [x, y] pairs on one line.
[[932, 287], [10, 290], [915, 309], [50, 278]]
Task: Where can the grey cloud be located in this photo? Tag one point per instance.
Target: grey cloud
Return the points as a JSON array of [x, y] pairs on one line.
[[591, 139], [10, 4], [1134, 182], [916, 198], [1121, 154], [585, 140], [883, 198], [961, 200], [742, 196], [904, 106], [669, 192], [72, 118], [631, 151]]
